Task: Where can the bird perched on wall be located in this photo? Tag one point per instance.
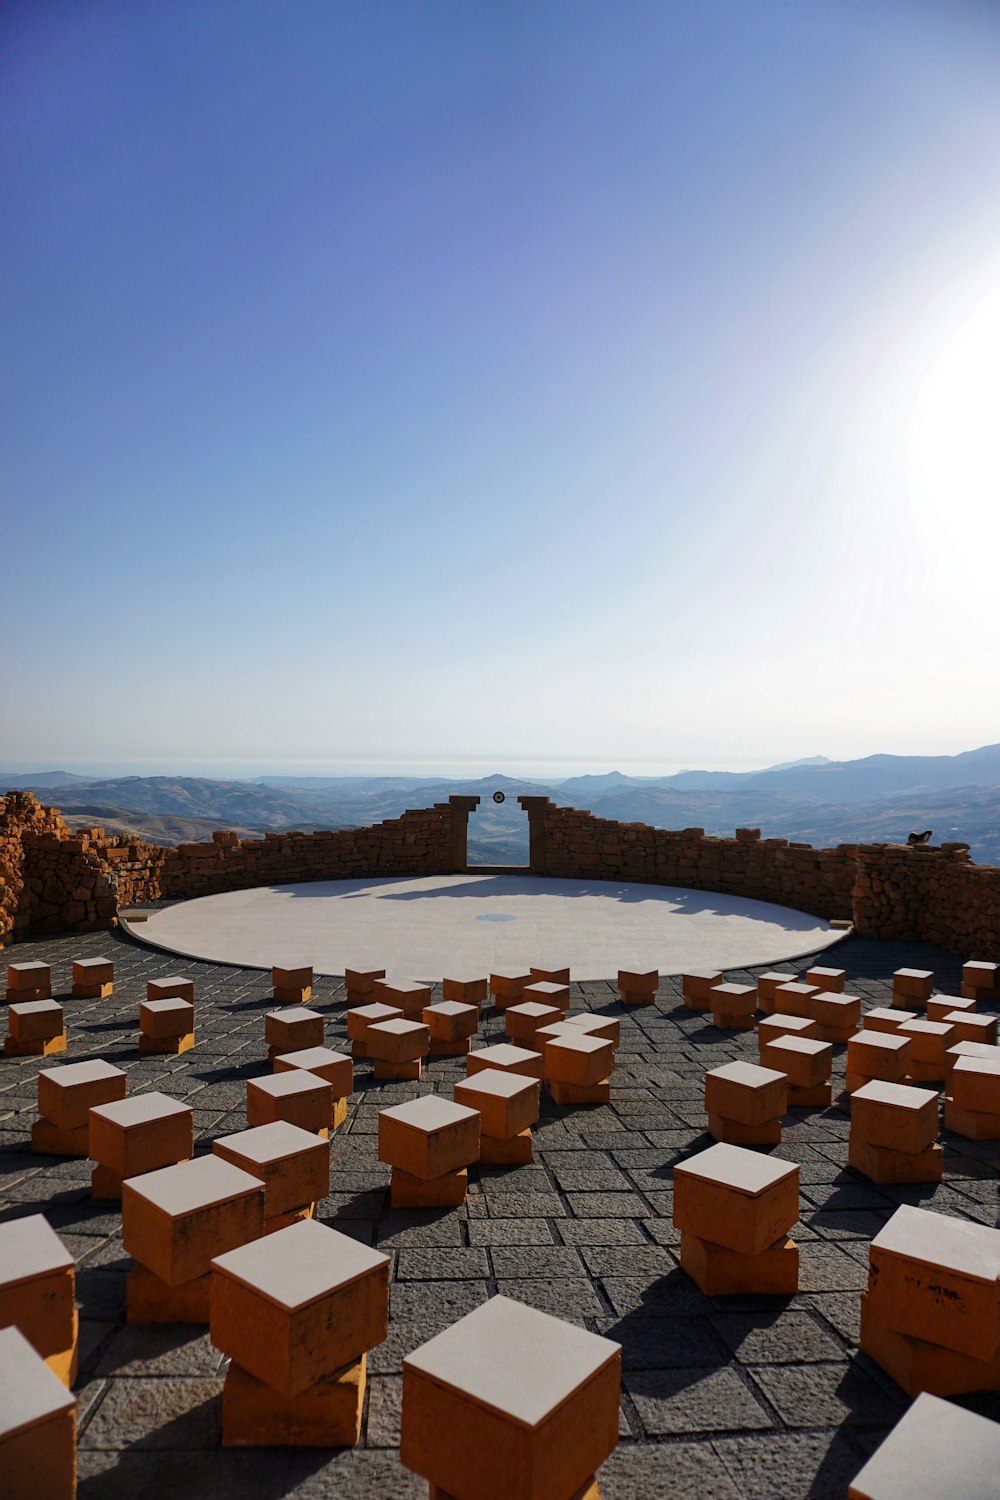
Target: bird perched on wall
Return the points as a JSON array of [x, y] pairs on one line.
[[920, 838]]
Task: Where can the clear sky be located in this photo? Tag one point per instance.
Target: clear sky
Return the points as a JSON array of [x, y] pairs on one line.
[[527, 385]]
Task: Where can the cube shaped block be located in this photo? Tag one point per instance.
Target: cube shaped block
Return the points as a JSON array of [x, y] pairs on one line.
[[299, 978], [929, 1041], [447, 1191], [606, 1027], [296, 1095], [733, 1006], [886, 1018], [510, 1391], [451, 1021], [335, 1068], [521, 1021], [770, 1027], [429, 1136], [408, 995], [292, 1030], [29, 981], [401, 1041], [467, 989], [36, 1028], [882, 1164], [549, 975], [150, 1299], [166, 1025], [970, 1027], [507, 985], [975, 1084], [935, 1449], [896, 1116], [879, 1054], [298, 1305], [839, 1015], [37, 1425], [766, 986], [912, 984], [804, 1061], [362, 981], [141, 1134], [939, 1007], [830, 981], [93, 978], [736, 1198], [174, 987], [747, 1094], [293, 1164], [696, 985], [325, 1415], [981, 980], [67, 1094], [507, 1058], [508, 1103], [547, 992], [37, 1280], [578, 1060], [176, 1220], [793, 999], [719, 1272]]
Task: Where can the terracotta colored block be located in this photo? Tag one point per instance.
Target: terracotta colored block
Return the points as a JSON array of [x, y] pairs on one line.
[[56, 1140], [451, 1021], [447, 1191], [93, 978], [819, 1096], [940, 1006], [970, 1049], [293, 1216], [293, 1030], [719, 1272], [746, 1094], [916, 1365], [887, 1019], [293, 1164], [467, 991], [769, 1028], [362, 981], [289, 995], [175, 1220], [508, 985], [839, 1016], [325, 1415], [982, 979], [29, 981], [296, 1306], [428, 1137], [334, 1068], [893, 1115], [734, 1001], [37, 1029], [734, 1133], [804, 1061], [912, 984], [172, 1017], [458, 1048], [971, 1028], [880, 1054], [793, 999], [37, 1280], [408, 995], [397, 1042], [973, 1124], [172, 1044], [363, 1016], [975, 1084], [929, 1041], [547, 992], [766, 986], [404, 1072], [507, 1058], [696, 987], [508, 1391], [736, 1198], [934, 1277], [636, 983], [141, 1134], [150, 1299], [515, 1151], [830, 981], [580, 1093], [881, 1164], [297, 1096], [300, 978], [550, 976], [582, 1061], [508, 1103], [606, 1027], [67, 1094], [174, 987], [937, 1448], [37, 1425]]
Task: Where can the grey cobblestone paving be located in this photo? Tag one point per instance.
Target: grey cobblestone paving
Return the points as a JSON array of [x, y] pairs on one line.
[[755, 1397]]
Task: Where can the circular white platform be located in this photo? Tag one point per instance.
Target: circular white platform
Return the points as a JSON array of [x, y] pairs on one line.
[[466, 924]]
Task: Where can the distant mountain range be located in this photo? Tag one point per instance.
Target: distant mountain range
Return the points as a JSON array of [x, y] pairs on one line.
[[819, 801]]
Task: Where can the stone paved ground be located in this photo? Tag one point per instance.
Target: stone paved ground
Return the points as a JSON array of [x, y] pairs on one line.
[[758, 1397]]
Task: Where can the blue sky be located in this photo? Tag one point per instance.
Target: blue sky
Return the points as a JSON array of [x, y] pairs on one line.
[[531, 386]]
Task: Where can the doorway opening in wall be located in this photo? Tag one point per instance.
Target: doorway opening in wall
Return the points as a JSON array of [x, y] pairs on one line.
[[498, 835]]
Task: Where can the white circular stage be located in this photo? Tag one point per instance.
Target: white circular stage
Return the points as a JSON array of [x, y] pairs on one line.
[[462, 924]]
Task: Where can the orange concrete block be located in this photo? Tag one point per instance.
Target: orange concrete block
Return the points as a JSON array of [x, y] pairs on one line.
[[719, 1272], [971, 1028], [550, 976], [467, 990], [975, 1084], [917, 1366], [769, 1028], [508, 985], [175, 1220], [293, 1164], [697, 985], [362, 981], [912, 984], [975, 1125], [361, 1017], [37, 1281], [150, 1299], [401, 1041], [896, 1116], [580, 1093], [141, 1134], [297, 1306], [37, 1425], [937, 1278], [508, 1103], [830, 981], [451, 1023], [515, 1151], [93, 978], [606, 1027], [547, 992], [506, 1058], [325, 1415], [981, 980], [805, 1062], [839, 1016], [408, 995], [292, 1030], [886, 1018], [766, 986], [297, 1096], [970, 1049], [289, 995], [56, 1140], [883, 1165], [174, 987], [736, 1198], [335, 1068], [733, 1006], [428, 1137], [940, 1006], [446, 1191], [166, 1025], [819, 1096], [510, 1391], [793, 999], [734, 1133], [29, 981], [67, 1094], [879, 1054], [581, 1061], [300, 978], [929, 1041], [37, 1029], [746, 1094]]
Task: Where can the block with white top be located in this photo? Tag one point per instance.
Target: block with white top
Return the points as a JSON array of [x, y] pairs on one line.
[[972, 1104], [451, 1025], [29, 981], [829, 981], [547, 992], [429, 1142], [807, 1065], [361, 983], [510, 1401], [838, 1015], [887, 1018], [793, 999], [939, 1007], [734, 1209], [981, 980], [912, 988], [36, 1028], [523, 1020], [174, 987], [766, 986], [733, 1006], [578, 1068], [292, 1163], [696, 987], [292, 1030], [929, 1042], [37, 1284], [361, 1017], [295, 1095], [935, 1449], [508, 1106], [467, 989], [408, 995], [397, 1048], [893, 1134], [93, 978], [971, 1027], [131, 1136], [877, 1054], [638, 987], [335, 1068], [607, 1027], [37, 1425], [549, 975], [65, 1096], [744, 1104], [506, 1058], [508, 985], [292, 986], [166, 1025]]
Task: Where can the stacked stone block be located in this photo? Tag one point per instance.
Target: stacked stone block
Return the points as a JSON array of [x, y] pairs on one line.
[[521, 1022], [292, 986], [29, 981], [838, 1015], [912, 988], [828, 981], [360, 985], [872, 1054], [93, 978], [335, 1068], [887, 1018], [766, 986], [506, 1059], [37, 1286], [508, 1106], [293, 1030], [466, 989], [793, 999], [578, 1068], [411, 996], [397, 1047], [65, 1097], [36, 1028], [293, 1164], [733, 1006], [132, 1136], [745, 1103], [37, 1425], [635, 988], [451, 1025], [430, 1143], [981, 981], [807, 1065], [296, 1096], [361, 1017], [548, 992], [972, 1104], [166, 1024], [507, 986], [929, 1043], [734, 1209], [893, 1135], [936, 1449]]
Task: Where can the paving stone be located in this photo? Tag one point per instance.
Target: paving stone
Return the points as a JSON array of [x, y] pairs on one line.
[[788, 1338], [602, 1232], [174, 1349], [532, 1262], [438, 1265], [568, 1299], [674, 1471], [608, 1206], [828, 1396], [672, 1402], [149, 1413], [790, 1465]]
